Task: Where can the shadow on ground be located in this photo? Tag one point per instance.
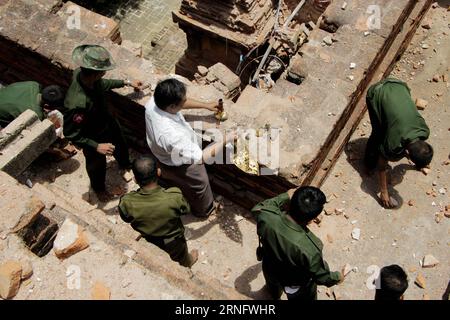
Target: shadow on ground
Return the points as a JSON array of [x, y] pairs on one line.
[[242, 283]]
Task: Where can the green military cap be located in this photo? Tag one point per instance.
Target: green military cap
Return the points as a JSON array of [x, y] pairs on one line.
[[93, 57]]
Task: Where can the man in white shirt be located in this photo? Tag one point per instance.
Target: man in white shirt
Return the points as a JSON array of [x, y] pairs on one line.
[[175, 144]]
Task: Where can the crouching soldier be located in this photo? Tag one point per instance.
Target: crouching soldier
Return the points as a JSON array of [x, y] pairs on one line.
[[155, 212], [44, 101], [291, 254], [398, 131]]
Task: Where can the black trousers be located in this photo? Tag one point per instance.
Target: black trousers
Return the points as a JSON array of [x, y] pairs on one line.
[[96, 162]]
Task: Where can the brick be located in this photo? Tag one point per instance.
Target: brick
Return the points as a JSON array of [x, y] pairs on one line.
[[10, 274], [100, 292], [71, 239]]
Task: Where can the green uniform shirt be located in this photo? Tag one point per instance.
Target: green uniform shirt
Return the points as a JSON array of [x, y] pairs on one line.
[[395, 121], [17, 98], [292, 255], [155, 213], [86, 116]]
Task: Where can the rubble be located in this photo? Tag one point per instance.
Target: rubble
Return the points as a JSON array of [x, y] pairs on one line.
[[100, 292], [10, 277], [70, 239], [421, 104], [202, 70], [420, 281], [128, 176], [436, 78], [327, 40], [356, 233], [429, 261]]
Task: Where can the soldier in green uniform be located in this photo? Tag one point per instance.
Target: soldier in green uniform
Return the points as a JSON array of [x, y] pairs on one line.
[[291, 254], [398, 130], [87, 121], [155, 212], [28, 95]]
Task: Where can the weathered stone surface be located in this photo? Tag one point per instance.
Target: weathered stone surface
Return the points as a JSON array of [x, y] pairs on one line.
[[10, 273], [27, 269], [71, 239], [100, 292]]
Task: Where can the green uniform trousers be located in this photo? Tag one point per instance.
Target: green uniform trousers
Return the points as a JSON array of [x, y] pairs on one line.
[[176, 248]]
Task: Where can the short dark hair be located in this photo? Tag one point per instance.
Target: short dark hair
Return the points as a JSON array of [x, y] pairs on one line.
[[306, 204], [145, 170], [393, 283], [420, 153], [53, 97], [168, 92]]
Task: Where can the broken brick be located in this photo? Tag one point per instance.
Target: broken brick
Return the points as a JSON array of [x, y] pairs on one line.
[[429, 261], [10, 277], [71, 239], [420, 281]]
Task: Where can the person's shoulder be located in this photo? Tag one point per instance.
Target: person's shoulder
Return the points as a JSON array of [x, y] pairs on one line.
[[129, 196], [173, 191]]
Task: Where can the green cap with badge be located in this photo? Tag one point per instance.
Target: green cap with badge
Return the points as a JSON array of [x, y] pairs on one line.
[[93, 57]]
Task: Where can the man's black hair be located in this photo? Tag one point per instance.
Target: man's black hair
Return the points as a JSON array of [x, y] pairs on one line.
[[168, 92], [420, 153], [306, 204], [145, 170], [53, 97], [393, 283]]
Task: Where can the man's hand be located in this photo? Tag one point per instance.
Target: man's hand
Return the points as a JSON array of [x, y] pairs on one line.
[[386, 200], [136, 84], [213, 106], [106, 149]]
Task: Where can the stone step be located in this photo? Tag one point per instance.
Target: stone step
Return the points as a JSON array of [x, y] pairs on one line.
[[23, 140]]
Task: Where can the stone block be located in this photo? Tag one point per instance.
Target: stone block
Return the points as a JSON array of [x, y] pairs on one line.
[[71, 239]]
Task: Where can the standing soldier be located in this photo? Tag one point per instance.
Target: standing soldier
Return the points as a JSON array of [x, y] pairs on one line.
[[291, 254], [398, 131], [87, 121]]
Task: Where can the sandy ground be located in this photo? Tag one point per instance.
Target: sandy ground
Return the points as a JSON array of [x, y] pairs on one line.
[[227, 241]]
